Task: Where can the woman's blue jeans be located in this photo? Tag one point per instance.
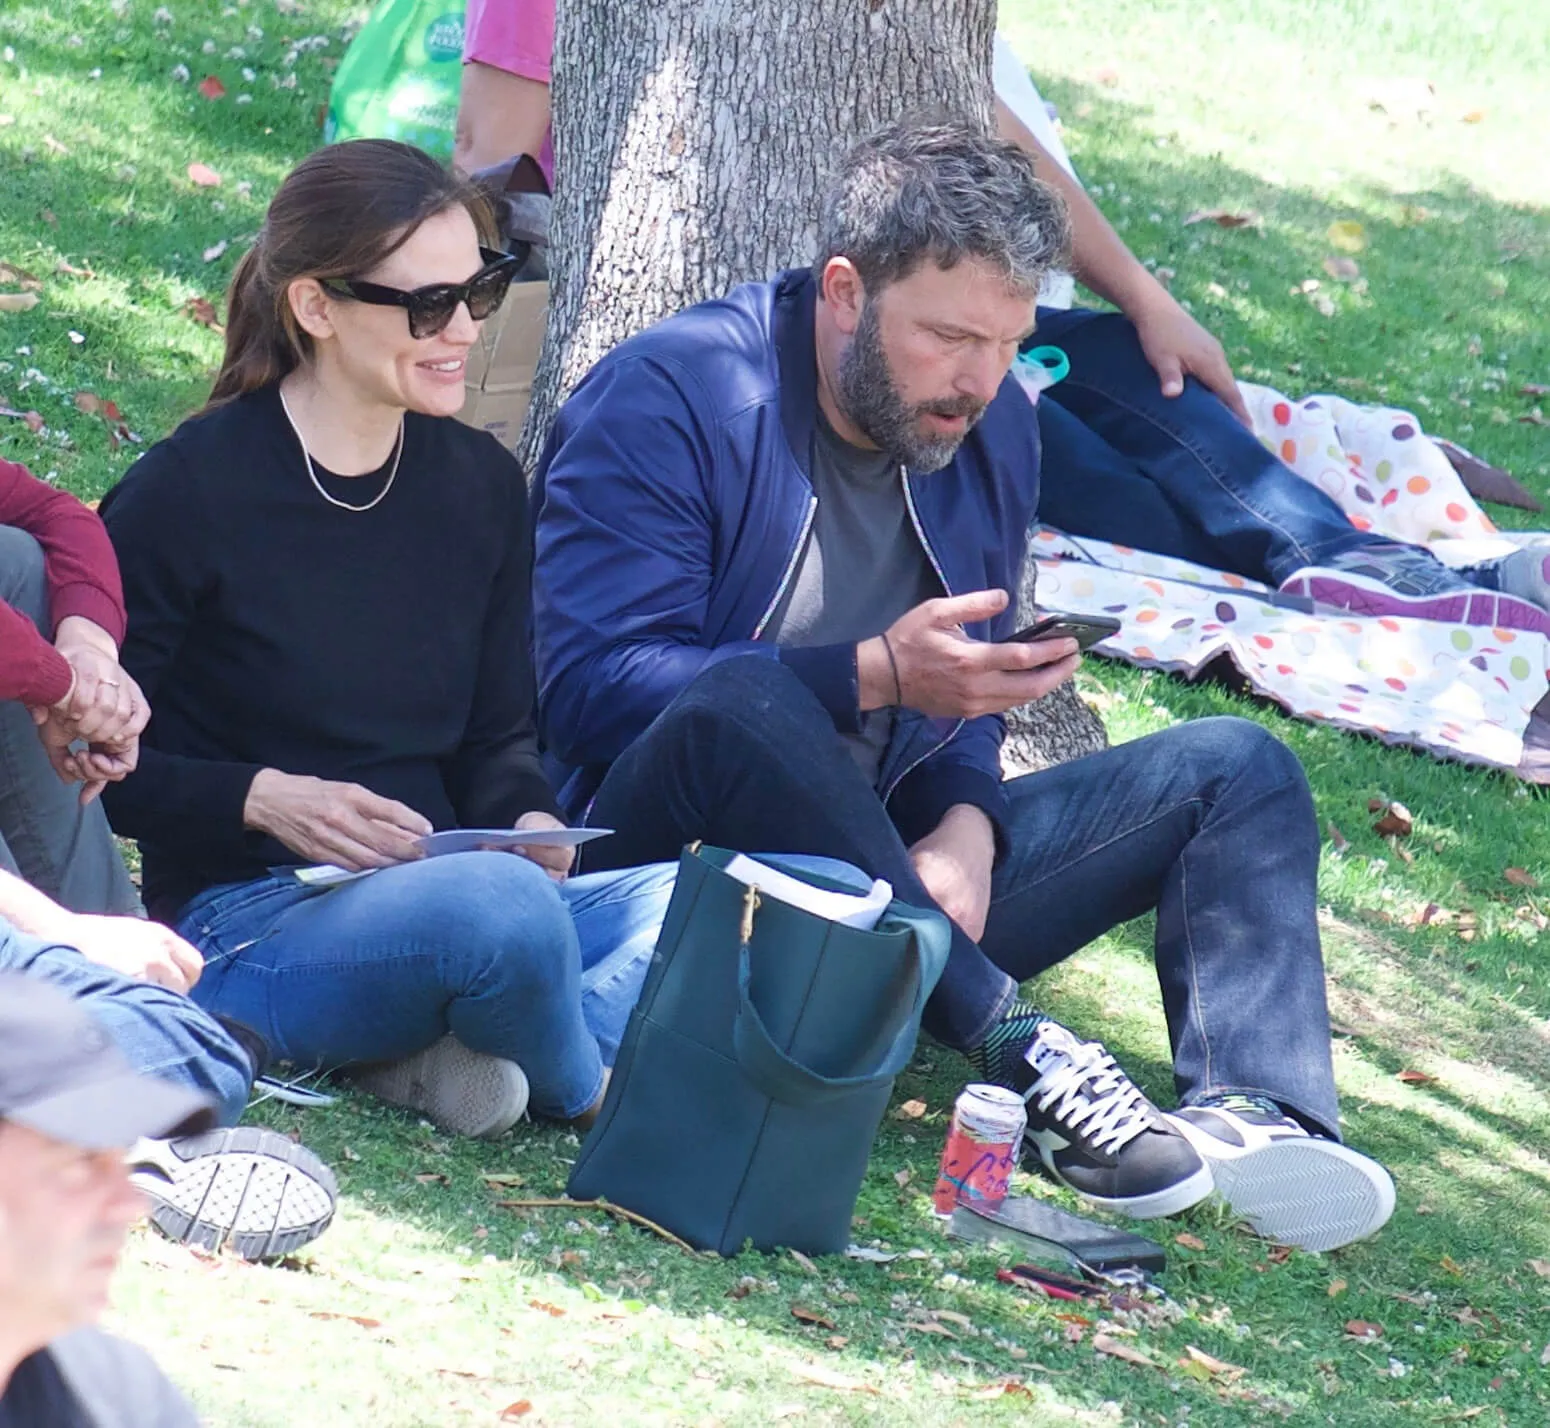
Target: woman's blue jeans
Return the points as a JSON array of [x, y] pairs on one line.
[[482, 945]]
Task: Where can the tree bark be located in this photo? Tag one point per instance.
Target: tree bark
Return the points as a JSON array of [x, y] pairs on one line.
[[693, 138]]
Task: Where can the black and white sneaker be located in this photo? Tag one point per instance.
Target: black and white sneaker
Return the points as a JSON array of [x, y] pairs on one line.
[[1093, 1130], [247, 1189], [1291, 1187]]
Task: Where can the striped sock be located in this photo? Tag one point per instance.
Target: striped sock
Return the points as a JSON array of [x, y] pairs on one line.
[[999, 1058]]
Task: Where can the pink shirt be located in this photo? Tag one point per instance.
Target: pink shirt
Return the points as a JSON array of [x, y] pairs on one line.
[[518, 37]]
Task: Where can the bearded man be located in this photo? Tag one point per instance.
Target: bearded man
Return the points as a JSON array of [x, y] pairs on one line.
[[776, 537]]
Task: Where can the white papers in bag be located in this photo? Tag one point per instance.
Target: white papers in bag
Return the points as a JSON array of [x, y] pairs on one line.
[[859, 910]]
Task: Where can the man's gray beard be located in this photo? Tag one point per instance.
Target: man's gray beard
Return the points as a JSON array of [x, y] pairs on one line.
[[869, 397]]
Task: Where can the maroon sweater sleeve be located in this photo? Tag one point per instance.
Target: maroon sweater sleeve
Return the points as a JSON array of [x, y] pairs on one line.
[[82, 580]]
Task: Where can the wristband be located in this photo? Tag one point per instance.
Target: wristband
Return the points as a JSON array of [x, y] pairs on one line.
[[893, 664]]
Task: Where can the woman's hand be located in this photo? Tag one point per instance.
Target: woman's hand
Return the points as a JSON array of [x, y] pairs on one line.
[[103, 705], [554, 861], [329, 822]]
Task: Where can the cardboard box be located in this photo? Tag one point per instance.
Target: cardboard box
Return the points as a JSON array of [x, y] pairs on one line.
[[498, 381]]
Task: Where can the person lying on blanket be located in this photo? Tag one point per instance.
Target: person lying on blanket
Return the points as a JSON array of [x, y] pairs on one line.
[[1147, 444], [327, 584], [775, 538]]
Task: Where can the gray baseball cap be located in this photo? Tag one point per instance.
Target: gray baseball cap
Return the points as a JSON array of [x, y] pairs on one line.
[[62, 1076]]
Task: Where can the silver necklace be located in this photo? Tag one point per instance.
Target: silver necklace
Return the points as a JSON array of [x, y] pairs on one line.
[[398, 451]]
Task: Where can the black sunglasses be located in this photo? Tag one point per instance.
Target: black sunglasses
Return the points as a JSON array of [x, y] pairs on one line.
[[431, 308]]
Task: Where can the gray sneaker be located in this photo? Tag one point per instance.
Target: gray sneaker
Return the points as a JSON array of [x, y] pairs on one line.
[[463, 1091], [1525, 573], [247, 1189], [1388, 578]]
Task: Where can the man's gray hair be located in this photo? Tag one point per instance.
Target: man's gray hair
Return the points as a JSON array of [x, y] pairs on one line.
[[946, 190]]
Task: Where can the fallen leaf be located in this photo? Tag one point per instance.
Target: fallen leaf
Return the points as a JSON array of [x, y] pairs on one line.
[[1108, 1344], [930, 1326], [1534, 418], [10, 273], [804, 1315], [901, 1178], [1189, 1241], [33, 421], [910, 1111], [364, 1322], [212, 88], [1213, 1366], [512, 1411], [203, 176], [739, 1291], [1278, 1254], [215, 250], [69, 270], [202, 311], [1108, 76], [552, 1310], [1473, 116], [821, 1377], [1534, 389], [1010, 1389], [53, 145], [573, 1259], [1223, 218], [503, 1180], [18, 302], [1336, 1287], [803, 1260], [1451, 1265], [1541, 1267], [1396, 822], [1520, 878], [1346, 269], [1337, 839], [1363, 1329], [433, 1177], [1347, 235], [88, 402], [1415, 1078], [836, 1342], [49, 217]]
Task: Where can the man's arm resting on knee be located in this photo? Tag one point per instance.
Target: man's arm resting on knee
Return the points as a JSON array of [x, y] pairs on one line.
[[1175, 344], [145, 951]]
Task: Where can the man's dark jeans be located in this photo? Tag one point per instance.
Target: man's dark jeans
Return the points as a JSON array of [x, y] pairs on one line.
[[1210, 823], [1178, 475]]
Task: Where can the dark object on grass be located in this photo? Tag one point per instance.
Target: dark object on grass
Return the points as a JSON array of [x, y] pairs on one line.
[[1486, 482]]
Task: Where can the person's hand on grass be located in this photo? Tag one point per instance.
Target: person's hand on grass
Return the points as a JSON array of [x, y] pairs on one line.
[[1177, 347], [326, 821]]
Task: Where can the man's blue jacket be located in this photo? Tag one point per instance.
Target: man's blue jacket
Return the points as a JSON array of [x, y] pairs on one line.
[[675, 498]]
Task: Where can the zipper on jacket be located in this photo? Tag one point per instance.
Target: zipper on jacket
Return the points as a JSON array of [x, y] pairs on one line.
[[791, 566], [936, 565]]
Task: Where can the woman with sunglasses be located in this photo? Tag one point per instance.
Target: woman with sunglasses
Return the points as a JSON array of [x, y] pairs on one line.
[[327, 583]]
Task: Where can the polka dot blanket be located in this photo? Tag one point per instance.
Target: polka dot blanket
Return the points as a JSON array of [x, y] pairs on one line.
[[1460, 691]]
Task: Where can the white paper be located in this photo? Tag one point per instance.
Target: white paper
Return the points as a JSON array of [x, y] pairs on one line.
[[861, 910], [473, 840]]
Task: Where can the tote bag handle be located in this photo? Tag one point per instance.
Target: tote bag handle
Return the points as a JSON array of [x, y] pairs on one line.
[[781, 1077]]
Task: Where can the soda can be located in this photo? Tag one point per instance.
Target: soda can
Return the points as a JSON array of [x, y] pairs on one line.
[[983, 1139]]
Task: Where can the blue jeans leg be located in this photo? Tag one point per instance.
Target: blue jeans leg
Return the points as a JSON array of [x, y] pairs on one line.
[[1210, 823], [159, 1032], [481, 945], [1223, 499]]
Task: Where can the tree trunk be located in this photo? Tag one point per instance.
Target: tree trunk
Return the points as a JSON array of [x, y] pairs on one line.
[[693, 138]]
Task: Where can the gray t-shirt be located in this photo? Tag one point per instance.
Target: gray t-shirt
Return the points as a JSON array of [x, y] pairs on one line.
[[89, 1379], [862, 568]]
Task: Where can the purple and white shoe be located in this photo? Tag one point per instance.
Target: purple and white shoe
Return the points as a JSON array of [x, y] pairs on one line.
[[1405, 580]]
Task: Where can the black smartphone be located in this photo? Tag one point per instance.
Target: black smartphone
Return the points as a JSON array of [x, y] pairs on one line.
[[1086, 630]]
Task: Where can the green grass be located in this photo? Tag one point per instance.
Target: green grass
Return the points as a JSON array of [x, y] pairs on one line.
[[1168, 108]]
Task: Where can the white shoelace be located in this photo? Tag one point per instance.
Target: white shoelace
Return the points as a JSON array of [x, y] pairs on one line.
[[1090, 1094]]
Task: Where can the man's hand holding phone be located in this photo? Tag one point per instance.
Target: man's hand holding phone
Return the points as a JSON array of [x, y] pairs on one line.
[[926, 662]]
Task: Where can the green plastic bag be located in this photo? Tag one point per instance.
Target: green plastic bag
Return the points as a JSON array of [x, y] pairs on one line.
[[401, 76]]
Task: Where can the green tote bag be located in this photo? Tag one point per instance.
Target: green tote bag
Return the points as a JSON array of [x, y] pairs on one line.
[[758, 1063]]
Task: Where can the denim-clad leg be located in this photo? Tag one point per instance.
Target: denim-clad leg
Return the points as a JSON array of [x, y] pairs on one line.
[[159, 1032], [1223, 500], [1212, 824], [46, 837], [747, 758], [482, 945]]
